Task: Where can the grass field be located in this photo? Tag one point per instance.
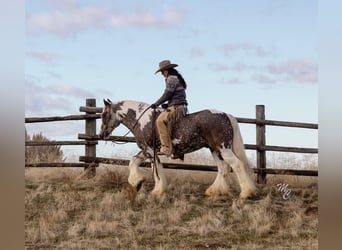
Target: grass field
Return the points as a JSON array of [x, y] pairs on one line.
[[63, 210]]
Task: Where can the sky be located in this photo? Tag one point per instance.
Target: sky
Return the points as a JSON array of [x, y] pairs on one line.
[[233, 54]]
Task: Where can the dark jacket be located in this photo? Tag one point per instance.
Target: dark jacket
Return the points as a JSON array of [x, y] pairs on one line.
[[174, 92]]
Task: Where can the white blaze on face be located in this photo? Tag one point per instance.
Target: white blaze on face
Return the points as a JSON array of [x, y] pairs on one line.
[[139, 108]]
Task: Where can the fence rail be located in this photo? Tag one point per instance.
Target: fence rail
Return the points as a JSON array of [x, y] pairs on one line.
[[90, 139], [55, 143]]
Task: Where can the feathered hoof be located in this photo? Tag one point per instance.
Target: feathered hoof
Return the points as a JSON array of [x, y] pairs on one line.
[[159, 189], [247, 194], [215, 192], [157, 192]]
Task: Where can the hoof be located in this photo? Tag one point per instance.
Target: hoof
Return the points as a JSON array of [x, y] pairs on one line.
[[247, 194], [214, 191], [209, 192], [158, 191]]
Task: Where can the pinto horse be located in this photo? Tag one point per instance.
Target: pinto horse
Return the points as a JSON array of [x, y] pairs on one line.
[[213, 129]]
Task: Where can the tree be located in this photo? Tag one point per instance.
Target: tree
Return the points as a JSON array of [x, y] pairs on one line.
[[35, 154]]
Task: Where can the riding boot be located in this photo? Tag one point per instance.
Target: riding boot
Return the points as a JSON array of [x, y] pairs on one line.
[[164, 136], [166, 148], [165, 141]]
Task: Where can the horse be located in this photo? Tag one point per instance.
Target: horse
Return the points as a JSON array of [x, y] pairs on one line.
[[208, 128]]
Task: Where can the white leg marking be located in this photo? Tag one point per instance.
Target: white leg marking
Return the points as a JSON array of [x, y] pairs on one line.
[[136, 177], [220, 186], [160, 181], [246, 183]]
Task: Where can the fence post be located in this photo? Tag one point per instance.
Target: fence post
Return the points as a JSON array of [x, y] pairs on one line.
[[260, 143], [90, 129]]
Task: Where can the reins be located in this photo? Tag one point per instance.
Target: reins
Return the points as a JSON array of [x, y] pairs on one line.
[[129, 131], [154, 142], [140, 117]]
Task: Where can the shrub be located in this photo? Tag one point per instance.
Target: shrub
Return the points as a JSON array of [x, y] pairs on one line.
[[35, 154]]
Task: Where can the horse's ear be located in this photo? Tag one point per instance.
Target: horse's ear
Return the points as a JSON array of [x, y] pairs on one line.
[[107, 102]]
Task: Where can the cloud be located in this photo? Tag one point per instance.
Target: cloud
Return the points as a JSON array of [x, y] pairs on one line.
[[39, 99], [299, 70], [47, 57], [68, 18], [248, 48], [52, 98], [67, 23], [242, 67], [55, 100], [196, 52], [169, 17], [263, 79], [217, 67], [230, 81], [239, 67], [68, 90]]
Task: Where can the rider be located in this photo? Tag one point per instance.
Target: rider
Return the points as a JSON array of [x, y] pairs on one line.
[[175, 96]]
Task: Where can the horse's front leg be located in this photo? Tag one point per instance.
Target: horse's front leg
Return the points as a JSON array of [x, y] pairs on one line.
[[136, 177], [160, 182], [220, 186]]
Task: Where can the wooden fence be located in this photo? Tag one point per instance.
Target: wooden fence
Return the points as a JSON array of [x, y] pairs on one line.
[[90, 139]]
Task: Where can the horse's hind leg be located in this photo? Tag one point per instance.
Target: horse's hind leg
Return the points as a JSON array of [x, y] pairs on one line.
[[136, 178], [220, 186], [246, 183]]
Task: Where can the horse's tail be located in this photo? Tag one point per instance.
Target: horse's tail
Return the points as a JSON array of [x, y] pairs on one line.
[[238, 146]]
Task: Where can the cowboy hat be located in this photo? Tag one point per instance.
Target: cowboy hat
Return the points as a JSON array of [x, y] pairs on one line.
[[166, 64]]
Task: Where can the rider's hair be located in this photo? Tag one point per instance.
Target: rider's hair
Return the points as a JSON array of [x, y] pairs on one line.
[[173, 71]]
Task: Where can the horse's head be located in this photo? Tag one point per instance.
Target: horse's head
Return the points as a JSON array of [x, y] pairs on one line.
[[110, 119]]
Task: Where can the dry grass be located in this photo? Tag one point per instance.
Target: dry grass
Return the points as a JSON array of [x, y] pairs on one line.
[[66, 211]]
